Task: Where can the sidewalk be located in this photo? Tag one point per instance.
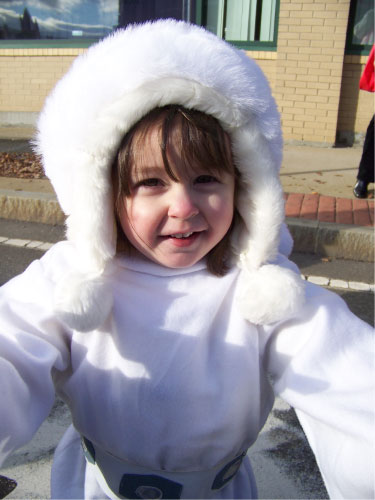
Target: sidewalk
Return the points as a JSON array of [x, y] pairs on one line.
[[322, 213]]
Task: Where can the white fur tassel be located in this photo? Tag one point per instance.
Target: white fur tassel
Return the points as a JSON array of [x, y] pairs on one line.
[[269, 294], [83, 302]]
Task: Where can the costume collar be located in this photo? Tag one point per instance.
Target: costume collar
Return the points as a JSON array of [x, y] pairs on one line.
[[143, 265]]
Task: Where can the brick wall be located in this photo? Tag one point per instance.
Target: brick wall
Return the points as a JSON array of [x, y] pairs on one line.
[[27, 76], [310, 58]]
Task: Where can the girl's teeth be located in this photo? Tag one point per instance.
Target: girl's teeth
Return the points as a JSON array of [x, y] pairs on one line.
[[181, 235]]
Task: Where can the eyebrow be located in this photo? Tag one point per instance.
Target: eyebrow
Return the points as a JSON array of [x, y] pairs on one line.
[[147, 171]]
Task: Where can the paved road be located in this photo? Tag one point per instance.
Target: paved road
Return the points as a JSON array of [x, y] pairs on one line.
[[359, 302], [283, 463]]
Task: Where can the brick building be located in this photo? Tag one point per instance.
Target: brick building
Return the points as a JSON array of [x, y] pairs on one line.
[[307, 48]]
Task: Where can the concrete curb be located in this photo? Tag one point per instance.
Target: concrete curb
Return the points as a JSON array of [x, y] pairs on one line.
[[310, 236], [358, 286], [339, 241], [30, 207]]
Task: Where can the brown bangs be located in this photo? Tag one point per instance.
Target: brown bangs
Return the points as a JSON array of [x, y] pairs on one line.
[[197, 138], [199, 141]]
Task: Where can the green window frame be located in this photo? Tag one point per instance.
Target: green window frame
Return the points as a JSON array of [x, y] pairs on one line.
[[247, 24], [360, 34], [47, 44]]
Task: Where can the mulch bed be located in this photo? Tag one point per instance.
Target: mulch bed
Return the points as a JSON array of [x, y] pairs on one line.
[[21, 166]]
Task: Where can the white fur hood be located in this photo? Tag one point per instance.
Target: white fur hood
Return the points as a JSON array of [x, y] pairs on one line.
[[107, 90]]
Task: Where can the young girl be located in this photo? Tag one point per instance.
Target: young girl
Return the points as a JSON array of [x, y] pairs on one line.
[[171, 317]]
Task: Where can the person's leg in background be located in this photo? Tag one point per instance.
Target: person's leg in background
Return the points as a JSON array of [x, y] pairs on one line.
[[366, 166]]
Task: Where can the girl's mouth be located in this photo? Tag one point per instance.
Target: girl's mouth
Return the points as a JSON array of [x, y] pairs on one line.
[[183, 239], [181, 235]]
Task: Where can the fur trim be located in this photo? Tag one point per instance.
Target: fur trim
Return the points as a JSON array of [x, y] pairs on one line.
[[271, 293], [108, 89], [82, 301]]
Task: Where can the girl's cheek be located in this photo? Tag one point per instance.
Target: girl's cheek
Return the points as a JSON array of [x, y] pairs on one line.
[[139, 211], [222, 202]]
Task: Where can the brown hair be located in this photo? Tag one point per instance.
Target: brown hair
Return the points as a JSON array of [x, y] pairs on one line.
[[201, 141]]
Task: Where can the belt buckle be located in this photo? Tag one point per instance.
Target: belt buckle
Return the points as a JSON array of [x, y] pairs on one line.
[[152, 486], [149, 486]]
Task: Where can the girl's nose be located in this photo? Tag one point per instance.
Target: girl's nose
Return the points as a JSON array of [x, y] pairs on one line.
[[181, 203]]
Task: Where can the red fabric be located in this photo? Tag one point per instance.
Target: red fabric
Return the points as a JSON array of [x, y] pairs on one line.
[[367, 79]]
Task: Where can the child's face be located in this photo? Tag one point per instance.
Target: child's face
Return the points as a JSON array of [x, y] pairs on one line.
[[175, 223]]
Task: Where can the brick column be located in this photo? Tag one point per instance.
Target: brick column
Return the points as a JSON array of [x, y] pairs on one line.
[[310, 55]]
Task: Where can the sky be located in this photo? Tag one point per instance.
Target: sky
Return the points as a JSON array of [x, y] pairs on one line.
[[63, 18]]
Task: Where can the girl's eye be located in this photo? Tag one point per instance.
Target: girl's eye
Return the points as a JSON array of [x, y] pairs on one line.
[[150, 182], [203, 179]]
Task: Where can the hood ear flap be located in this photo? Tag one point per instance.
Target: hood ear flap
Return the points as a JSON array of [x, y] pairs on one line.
[[266, 292], [260, 199], [83, 301], [269, 294]]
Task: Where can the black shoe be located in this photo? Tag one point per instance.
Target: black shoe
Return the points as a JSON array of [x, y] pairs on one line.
[[360, 189]]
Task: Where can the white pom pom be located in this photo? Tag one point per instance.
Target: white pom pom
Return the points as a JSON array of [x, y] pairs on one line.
[[269, 294], [83, 302]]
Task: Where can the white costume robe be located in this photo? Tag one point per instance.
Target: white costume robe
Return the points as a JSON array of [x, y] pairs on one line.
[[177, 379]]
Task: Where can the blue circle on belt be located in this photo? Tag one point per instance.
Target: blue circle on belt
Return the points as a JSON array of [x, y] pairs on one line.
[[148, 486], [227, 473]]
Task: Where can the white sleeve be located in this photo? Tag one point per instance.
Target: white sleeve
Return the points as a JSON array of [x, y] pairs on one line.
[[322, 364], [32, 346]]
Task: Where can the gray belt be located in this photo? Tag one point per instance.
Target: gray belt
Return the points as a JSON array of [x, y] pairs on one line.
[[123, 479]]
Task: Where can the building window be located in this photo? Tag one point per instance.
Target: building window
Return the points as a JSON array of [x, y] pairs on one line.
[[137, 11], [78, 23], [249, 24], [360, 36], [58, 20]]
